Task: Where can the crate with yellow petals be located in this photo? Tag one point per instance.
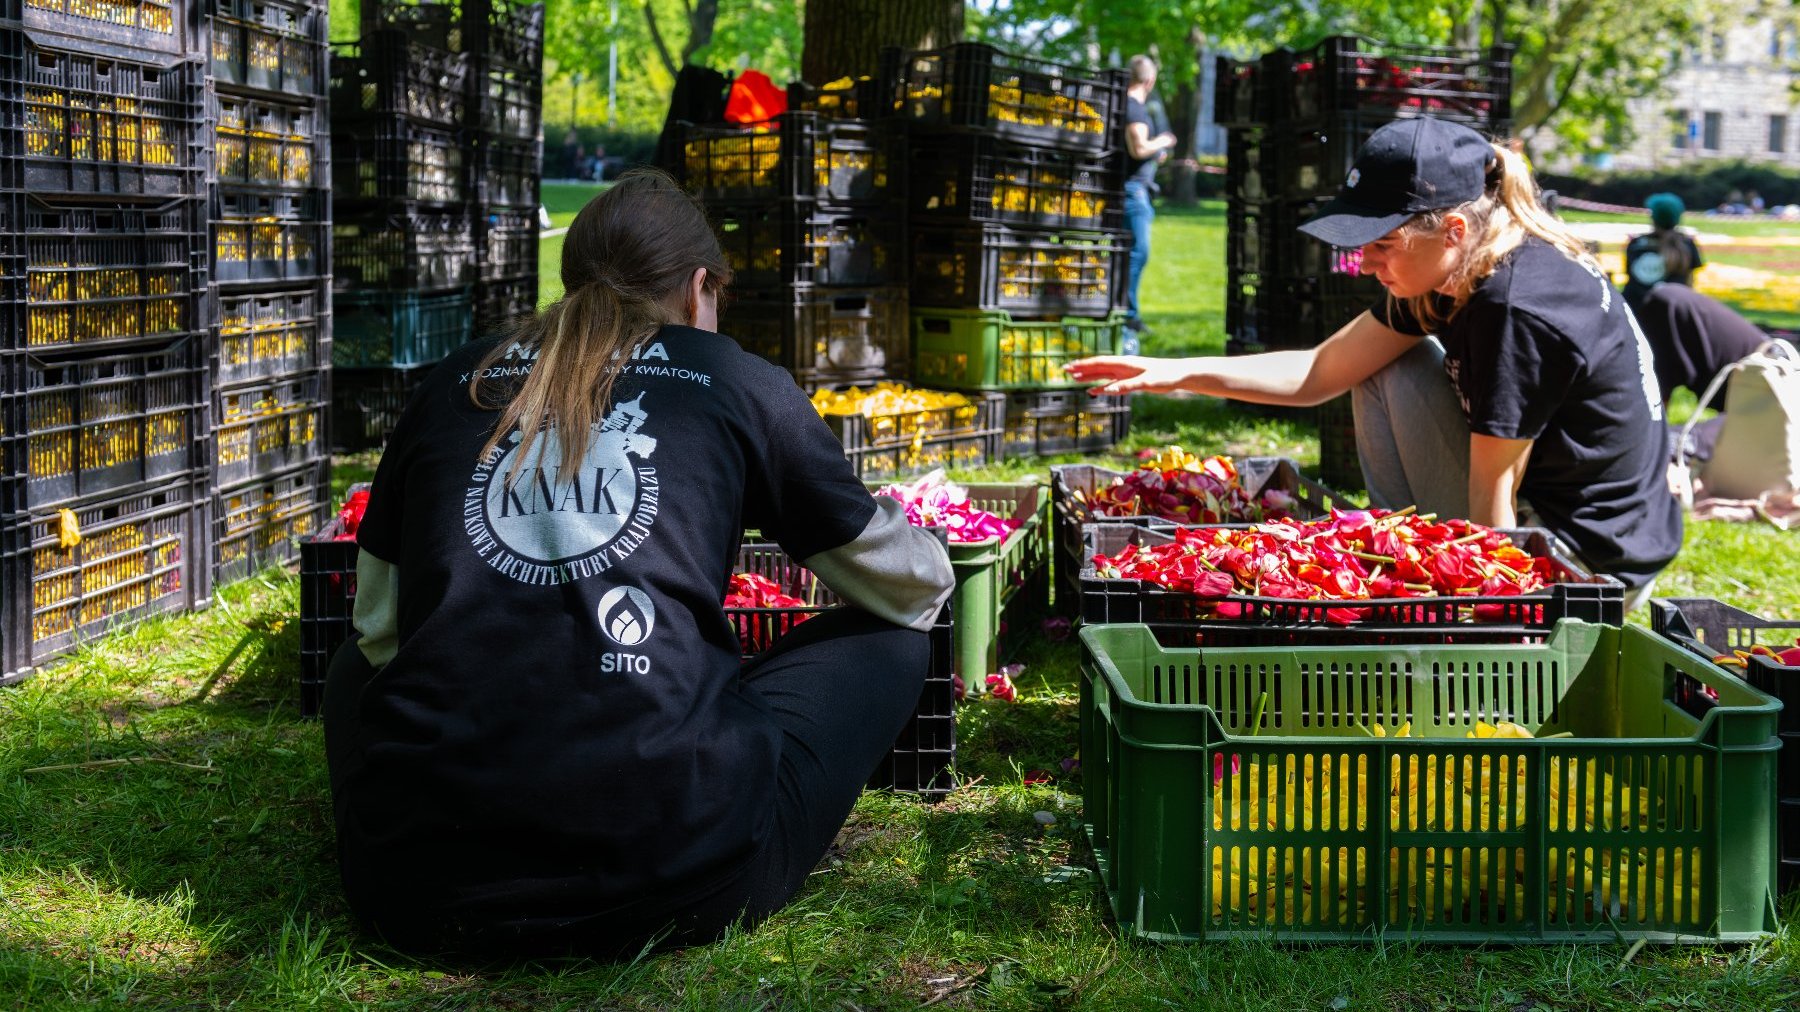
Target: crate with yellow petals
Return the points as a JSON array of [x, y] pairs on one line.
[[1602, 785]]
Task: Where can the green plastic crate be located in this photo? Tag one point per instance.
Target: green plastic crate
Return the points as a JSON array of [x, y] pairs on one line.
[[969, 349], [1002, 586], [1560, 838]]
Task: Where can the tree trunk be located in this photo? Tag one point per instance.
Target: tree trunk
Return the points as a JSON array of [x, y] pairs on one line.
[[701, 18], [844, 38]]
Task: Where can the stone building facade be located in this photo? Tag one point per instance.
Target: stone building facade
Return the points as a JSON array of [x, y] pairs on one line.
[[1732, 96]]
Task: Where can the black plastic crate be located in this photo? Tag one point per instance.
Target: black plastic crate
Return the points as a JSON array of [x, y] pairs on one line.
[[88, 427], [509, 172], [377, 328], [964, 177], [799, 155], [87, 124], [924, 754], [266, 427], [1711, 628], [103, 277], [824, 335], [1250, 237], [1339, 463], [262, 237], [365, 404], [410, 250], [1248, 316], [387, 74], [865, 98], [507, 245], [327, 604], [1273, 621], [972, 84], [1072, 485], [1349, 74], [499, 304], [1303, 312], [1252, 166], [506, 30], [1023, 271], [264, 335], [124, 558], [170, 27], [913, 442], [277, 46], [398, 160], [1063, 421], [785, 242], [509, 100], [267, 145], [261, 524], [1251, 93]]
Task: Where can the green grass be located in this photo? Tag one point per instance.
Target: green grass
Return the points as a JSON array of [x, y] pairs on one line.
[[1733, 226], [199, 874]]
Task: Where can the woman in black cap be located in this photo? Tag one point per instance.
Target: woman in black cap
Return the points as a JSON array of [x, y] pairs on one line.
[[1502, 375]]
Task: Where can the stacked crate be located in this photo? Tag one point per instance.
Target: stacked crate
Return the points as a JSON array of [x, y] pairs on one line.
[[103, 399], [439, 156], [808, 209], [1015, 227], [269, 240], [403, 241], [1295, 121]]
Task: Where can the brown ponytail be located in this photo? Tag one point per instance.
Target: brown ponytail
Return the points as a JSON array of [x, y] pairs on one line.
[[1498, 221], [626, 265]]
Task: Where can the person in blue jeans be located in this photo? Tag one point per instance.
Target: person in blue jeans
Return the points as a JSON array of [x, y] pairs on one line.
[[1501, 376], [1143, 153]]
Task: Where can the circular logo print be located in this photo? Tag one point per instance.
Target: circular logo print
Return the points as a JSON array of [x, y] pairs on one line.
[[627, 616]]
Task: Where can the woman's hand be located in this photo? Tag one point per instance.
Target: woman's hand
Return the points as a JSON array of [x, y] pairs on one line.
[[1130, 374]]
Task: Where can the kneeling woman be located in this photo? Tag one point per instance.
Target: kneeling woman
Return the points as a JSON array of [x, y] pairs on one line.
[[543, 741], [1537, 391]]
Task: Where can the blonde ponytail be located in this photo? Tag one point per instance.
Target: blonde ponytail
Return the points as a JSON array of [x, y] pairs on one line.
[[1498, 221], [627, 261]]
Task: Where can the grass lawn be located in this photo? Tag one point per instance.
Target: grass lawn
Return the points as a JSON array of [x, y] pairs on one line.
[[166, 835]]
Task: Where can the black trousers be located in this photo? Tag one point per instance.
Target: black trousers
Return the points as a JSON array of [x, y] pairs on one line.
[[840, 687]]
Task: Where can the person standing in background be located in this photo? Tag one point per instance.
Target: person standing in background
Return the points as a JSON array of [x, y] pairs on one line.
[[1143, 153]]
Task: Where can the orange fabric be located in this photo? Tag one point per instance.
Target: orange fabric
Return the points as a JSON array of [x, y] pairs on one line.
[[754, 98]]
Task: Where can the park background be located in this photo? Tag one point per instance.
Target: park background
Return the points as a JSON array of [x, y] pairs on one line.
[[199, 872]]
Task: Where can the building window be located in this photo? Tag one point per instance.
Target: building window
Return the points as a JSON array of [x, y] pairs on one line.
[[1777, 134], [1718, 47], [1709, 133], [1678, 129]]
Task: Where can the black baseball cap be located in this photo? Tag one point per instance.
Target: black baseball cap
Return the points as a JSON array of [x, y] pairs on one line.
[[1406, 167]]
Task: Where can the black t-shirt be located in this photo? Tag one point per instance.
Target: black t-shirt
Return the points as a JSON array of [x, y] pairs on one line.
[[1139, 170], [561, 727], [1694, 336], [1646, 264], [1545, 350]]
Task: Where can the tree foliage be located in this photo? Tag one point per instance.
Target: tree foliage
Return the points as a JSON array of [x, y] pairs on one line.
[[764, 34], [1578, 63]]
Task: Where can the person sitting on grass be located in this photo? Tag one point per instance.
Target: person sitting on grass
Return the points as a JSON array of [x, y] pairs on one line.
[[1536, 389], [1694, 337], [1663, 254], [542, 740]]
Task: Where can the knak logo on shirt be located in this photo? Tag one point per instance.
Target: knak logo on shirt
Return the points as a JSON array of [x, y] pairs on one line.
[[541, 524]]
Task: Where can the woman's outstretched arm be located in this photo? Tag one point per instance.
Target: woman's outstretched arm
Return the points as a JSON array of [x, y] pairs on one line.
[[1292, 378]]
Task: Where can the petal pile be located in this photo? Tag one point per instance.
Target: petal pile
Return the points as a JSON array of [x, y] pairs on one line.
[[1176, 485], [1351, 555], [351, 514], [931, 501]]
